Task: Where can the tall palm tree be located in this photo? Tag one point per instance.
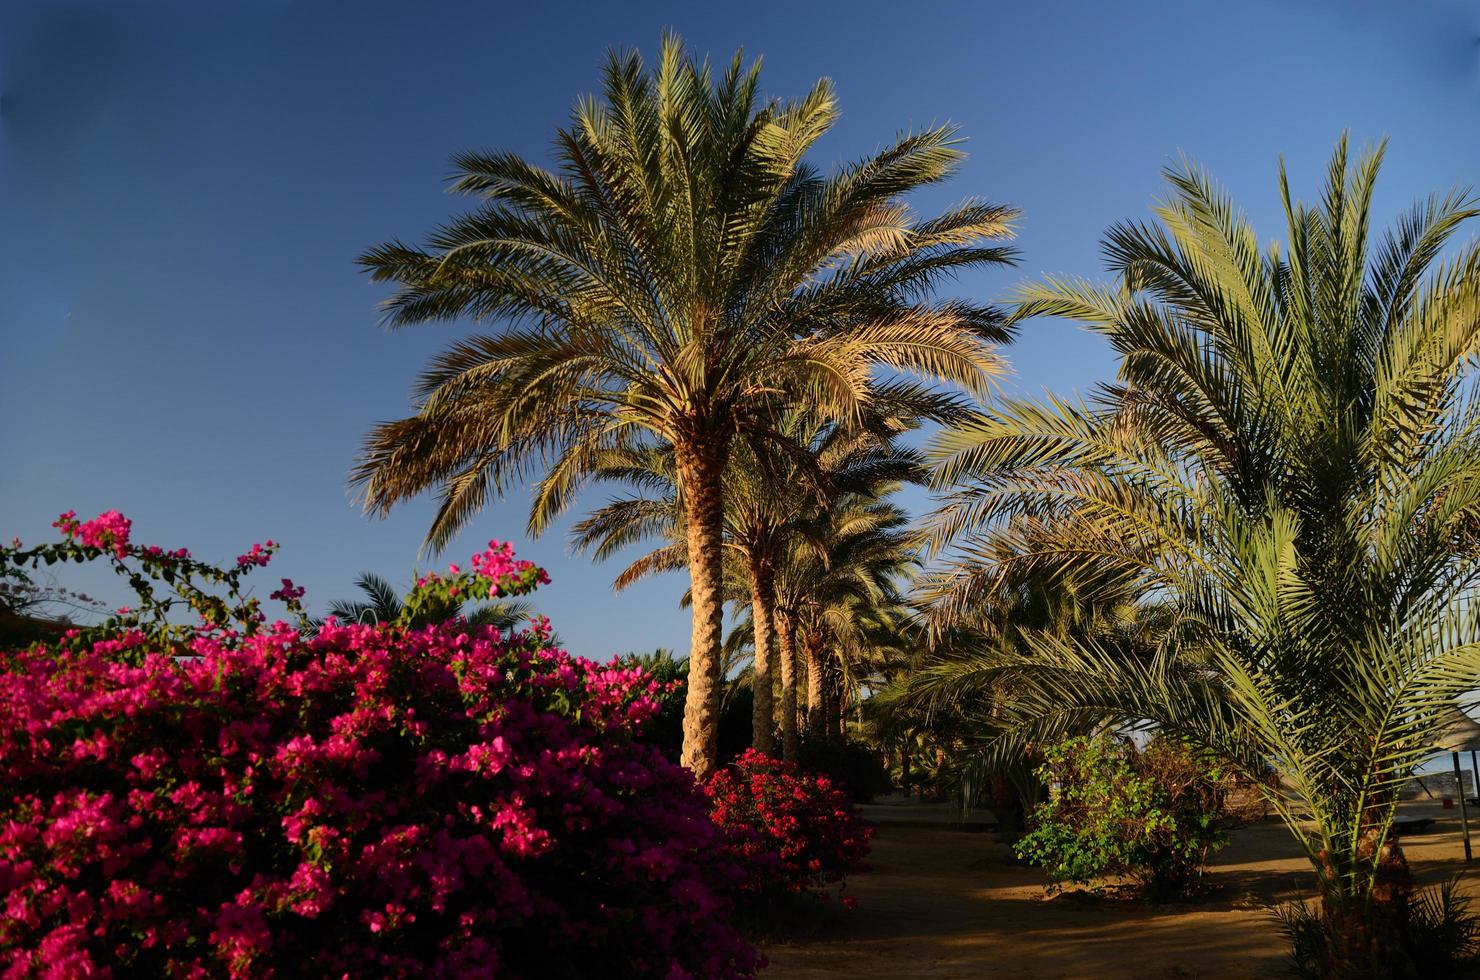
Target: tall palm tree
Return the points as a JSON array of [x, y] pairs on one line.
[[1290, 464], [681, 271], [775, 491]]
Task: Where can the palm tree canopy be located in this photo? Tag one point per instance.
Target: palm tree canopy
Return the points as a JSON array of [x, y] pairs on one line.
[[383, 604], [1289, 464], [679, 269], [778, 492]]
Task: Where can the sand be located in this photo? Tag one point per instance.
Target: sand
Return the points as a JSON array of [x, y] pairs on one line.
[[941, 902]]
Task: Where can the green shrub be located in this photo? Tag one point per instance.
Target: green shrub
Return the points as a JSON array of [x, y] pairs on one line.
[[1154, 816]]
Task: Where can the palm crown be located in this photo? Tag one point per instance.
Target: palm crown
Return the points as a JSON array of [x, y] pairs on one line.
[[780, 497]]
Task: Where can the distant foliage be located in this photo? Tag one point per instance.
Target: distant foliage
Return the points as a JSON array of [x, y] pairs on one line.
[[666, 729], [853, 767], [795, 832], [374, 801], [1154, 816]]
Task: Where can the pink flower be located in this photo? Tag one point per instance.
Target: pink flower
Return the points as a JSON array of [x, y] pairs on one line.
[[469, 802], [109, 529], [289, 592], [259, 555]]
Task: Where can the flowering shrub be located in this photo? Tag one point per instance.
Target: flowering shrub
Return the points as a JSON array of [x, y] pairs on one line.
[[371, 801], [794, 831]]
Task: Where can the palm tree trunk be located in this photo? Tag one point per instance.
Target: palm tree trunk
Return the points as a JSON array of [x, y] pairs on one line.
[[701, 469], [763, 609], [839, 717], [833, 723], [815, 682], [1366, 917], [786, 645]]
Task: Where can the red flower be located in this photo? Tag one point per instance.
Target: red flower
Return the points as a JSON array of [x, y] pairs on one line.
[[793, 829]]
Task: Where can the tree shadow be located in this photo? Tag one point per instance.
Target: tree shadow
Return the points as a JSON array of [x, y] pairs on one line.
[[945, 903]]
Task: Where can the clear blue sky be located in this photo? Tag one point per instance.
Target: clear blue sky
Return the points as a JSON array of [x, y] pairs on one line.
[[184, 187]]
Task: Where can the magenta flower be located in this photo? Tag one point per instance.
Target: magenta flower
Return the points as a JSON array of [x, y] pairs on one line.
[[288, 593], [259, 555], [371, 801], [109, 530]]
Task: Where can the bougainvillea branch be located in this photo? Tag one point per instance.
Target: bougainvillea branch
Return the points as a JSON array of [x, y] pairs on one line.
[[164, 583]]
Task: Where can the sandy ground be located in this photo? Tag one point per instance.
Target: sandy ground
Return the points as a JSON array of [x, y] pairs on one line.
[[942, 902]]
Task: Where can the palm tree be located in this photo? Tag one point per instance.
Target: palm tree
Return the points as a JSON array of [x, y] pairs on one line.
[[1289, 465], [383, 604], [681, 272], [775, 492], [1004, 590], [839, 600]]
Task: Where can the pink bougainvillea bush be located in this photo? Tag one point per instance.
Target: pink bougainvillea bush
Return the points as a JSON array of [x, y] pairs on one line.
[[246, 800], [795, 831]]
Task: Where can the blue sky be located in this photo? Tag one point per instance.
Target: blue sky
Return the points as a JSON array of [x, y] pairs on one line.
[[184, 187]]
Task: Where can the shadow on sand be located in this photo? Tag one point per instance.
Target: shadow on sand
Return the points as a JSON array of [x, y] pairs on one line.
[[943, 903]]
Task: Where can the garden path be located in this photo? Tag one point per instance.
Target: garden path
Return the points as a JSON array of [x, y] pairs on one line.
[[945, 903]]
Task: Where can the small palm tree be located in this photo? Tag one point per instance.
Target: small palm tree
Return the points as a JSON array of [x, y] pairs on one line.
[[839, 599], [994, 603], [383, 604], [776, 492], [681, 273], [1289, 466]]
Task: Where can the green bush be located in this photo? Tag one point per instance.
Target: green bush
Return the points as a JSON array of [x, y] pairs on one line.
[[1154, 816]]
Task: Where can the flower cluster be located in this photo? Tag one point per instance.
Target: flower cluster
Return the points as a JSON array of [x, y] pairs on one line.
[[371, 801], [259, 555], [109, 530], [498, 563], [795, 831], [495, 573], [288, 593]]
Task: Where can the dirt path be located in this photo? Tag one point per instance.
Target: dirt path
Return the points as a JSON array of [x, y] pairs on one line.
[[942, 903]]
